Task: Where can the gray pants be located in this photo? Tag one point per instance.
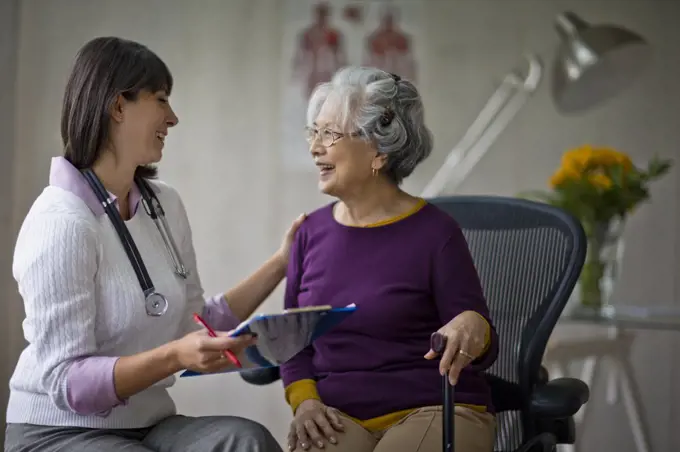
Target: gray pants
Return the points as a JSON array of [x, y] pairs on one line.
[[174, 434]]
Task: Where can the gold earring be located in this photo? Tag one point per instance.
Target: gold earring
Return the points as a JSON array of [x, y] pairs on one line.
[[374, 171]]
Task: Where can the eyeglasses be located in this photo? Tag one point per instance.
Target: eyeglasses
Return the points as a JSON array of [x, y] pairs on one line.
[[326, 136]]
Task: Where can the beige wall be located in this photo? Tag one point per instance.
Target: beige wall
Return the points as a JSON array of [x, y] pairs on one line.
[[10, 309], [223, 157]]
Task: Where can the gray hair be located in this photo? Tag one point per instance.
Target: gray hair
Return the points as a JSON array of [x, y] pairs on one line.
[[384, 109]]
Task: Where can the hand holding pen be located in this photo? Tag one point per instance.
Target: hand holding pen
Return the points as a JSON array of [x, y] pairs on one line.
[[207, 351], [226, 352]]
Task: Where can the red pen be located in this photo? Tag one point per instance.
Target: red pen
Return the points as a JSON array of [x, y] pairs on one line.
[[228, 353]]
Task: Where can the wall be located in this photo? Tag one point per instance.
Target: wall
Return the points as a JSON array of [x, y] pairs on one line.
[[10, 332], [226, 58]]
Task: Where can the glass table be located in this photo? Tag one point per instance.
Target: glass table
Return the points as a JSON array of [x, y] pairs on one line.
[[602, 340], [628, 317]]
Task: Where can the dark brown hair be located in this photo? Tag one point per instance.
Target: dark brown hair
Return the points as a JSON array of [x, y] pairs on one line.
[[105, 68]]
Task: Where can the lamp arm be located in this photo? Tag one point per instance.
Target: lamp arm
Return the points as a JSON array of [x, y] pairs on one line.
[[500, 109]]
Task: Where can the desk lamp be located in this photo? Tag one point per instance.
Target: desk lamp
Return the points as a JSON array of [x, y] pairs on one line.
[[593, 63]]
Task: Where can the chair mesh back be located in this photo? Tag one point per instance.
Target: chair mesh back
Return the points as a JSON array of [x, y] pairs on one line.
[[524, 253]]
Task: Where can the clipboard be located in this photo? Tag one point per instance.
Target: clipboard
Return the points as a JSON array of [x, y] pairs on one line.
[[282, 336]]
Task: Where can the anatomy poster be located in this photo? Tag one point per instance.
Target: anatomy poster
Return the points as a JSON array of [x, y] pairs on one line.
[[389, 46], [322, 36]]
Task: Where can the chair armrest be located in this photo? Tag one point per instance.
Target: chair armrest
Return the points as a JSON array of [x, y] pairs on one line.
[[559, 398], [261, 376]]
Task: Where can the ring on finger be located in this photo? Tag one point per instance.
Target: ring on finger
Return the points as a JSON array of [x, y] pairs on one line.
[[466, 354]]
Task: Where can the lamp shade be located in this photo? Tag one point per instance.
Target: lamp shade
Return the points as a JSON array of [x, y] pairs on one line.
[[594, 62]]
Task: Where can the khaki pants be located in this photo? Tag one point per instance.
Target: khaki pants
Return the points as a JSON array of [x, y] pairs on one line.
[[421, 431]]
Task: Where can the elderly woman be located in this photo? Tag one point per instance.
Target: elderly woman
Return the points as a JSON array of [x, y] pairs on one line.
[[372, 383]]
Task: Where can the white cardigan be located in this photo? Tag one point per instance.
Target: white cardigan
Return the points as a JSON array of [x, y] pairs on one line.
[[82, 298]]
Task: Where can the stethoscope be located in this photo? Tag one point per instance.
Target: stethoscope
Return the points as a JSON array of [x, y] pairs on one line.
[[156, 304]]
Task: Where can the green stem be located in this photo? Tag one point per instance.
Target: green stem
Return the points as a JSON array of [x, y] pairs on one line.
[[591, 275], [593, 271]]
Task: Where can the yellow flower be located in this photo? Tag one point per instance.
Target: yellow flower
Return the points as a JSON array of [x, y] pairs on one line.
[[597, 184], [578, 158], [600, 180], [609, 157], [564, 174], [590, 164]]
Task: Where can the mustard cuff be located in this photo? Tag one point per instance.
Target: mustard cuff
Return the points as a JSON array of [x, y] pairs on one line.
[[299, 391]]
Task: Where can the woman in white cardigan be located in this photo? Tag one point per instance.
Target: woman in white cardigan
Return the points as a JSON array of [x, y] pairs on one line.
[[101, 353]]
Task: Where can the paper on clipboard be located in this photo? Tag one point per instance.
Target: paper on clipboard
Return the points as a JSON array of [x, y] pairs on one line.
[[282, 336]]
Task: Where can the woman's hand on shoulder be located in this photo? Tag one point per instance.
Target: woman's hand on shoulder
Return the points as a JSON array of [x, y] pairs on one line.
[[466, 336], [315, 423], [199, 352], [283, 254]]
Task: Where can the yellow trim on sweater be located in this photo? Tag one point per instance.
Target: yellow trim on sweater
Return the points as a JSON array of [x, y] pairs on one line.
[[386, 421], [301, 390], [419, 205]]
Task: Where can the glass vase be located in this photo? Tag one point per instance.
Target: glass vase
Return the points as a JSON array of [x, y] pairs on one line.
[[602, 266]]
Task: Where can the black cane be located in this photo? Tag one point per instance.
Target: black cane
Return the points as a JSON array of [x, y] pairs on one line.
[[438, 344]]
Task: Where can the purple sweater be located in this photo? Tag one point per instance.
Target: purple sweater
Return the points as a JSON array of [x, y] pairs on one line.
[[407, 278]]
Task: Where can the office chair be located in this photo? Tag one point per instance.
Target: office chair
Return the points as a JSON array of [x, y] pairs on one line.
[[529, 256]]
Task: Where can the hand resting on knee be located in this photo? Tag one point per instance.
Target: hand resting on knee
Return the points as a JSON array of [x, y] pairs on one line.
[[315, 423]]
